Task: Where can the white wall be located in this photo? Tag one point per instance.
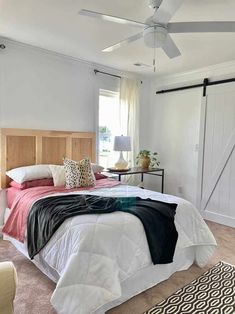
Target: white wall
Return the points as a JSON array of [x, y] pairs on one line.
[[174, 133], [44, 90], [145, 102], [171, 126]]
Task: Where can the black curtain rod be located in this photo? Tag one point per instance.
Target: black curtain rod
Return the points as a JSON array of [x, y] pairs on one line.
[[106, 73], [205, 83], [97, 71]]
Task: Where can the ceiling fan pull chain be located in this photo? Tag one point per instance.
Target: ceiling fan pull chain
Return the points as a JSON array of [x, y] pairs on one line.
[[154, 52]]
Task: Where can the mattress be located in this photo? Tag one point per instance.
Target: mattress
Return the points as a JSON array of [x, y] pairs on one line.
[[113, 253]]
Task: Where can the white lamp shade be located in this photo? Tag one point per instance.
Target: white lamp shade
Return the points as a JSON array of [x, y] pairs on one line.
[[122, 143]]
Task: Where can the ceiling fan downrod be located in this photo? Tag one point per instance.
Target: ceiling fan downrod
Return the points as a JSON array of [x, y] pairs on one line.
[[155, 4]]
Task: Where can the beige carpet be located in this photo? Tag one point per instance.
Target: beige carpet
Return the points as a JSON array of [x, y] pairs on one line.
[[34, 289]]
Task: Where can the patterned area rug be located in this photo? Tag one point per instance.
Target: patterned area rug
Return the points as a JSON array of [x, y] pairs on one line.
[[211, 293]]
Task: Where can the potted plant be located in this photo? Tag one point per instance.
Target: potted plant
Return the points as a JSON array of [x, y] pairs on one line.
[[146, 159]]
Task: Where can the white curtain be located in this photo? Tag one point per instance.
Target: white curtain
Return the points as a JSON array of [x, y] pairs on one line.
[[129, 116]]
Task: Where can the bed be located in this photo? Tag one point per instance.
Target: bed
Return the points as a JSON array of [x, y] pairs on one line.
[[99, 261]]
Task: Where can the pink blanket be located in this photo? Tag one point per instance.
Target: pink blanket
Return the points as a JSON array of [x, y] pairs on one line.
[[16, 223]]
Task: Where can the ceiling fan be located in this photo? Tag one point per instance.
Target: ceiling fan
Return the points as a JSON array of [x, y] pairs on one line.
[[157, 29]]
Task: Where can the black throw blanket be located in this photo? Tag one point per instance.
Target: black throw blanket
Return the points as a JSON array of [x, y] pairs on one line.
[[47, 214]]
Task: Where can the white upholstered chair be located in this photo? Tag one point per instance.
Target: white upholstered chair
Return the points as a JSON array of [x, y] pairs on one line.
[[8, 280]]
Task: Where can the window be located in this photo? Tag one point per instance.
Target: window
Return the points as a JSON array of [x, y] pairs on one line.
[[109, 126]]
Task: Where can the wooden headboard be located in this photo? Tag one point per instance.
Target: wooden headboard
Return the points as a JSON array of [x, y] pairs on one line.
[[22, 147]]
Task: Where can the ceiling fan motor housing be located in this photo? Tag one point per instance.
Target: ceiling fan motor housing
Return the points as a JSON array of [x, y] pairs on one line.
[[155, 4], [155, 36]]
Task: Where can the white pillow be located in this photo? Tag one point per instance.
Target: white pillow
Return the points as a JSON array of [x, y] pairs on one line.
[[29, 173], [58, 175], [96, 168]]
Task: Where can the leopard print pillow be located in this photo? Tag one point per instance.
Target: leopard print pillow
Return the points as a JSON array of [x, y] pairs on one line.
[[72, 174], [78, 174], [87, 175]]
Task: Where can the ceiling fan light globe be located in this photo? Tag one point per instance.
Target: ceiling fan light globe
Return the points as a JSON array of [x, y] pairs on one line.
[[155, 36]]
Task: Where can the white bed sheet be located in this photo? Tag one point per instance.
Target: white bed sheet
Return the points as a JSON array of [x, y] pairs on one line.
[[113, 254]]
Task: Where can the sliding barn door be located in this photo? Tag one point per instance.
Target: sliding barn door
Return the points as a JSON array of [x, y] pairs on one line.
[[218, 160]]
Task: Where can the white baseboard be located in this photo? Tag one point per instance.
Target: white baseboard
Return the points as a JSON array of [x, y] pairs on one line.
[[220, 219]]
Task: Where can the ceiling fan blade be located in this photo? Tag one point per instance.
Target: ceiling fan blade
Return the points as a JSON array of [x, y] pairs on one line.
[[123, 42], [170, 48], [166, 10], [111, 18], [201, 27]]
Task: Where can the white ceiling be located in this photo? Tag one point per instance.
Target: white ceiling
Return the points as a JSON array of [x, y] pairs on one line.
[[56, 25]]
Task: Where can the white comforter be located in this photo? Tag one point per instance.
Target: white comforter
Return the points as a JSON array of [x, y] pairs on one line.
[[93, 254]]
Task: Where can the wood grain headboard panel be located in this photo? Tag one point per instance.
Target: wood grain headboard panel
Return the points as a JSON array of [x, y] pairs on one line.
[[81, 147], [53, 150], [23, 147]]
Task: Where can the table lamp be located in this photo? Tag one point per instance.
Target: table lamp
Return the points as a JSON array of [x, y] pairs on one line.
[[122, 144]]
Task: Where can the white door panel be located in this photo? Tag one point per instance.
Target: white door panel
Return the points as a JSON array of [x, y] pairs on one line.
[[218, 176]]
